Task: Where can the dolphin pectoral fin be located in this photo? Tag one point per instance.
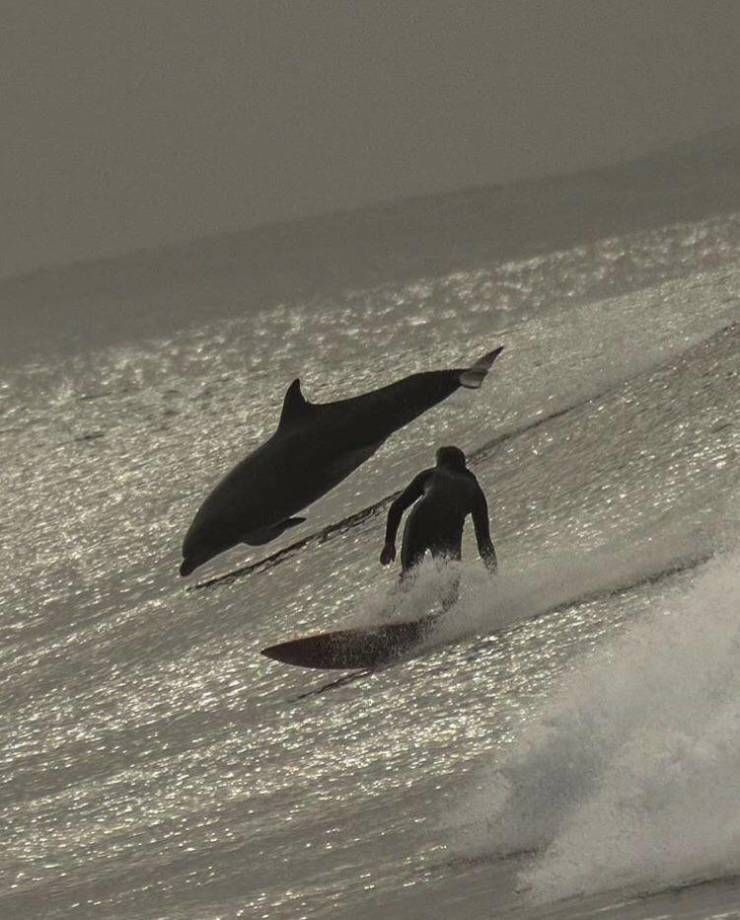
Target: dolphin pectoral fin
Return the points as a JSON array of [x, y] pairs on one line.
[[266, 534], [293, 521], [472, 377]]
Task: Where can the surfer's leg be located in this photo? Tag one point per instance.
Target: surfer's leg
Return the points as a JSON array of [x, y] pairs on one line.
[[413, 547], [409, 565], [412, 555], [444, 552], [451, 592]]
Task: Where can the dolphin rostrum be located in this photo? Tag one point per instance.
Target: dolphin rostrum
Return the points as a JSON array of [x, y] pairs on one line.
[[315, 447]]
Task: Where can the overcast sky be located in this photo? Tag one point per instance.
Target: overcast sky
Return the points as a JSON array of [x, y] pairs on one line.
[[128, 123]]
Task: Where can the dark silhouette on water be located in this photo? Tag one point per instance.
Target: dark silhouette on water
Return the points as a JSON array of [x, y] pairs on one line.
[[445, 495], [315, 447]]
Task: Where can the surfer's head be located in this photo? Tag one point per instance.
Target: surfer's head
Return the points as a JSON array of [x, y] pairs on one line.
[[451, 458]]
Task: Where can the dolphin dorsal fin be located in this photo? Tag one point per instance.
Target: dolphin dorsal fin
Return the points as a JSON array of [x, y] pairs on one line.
[[295, 407]]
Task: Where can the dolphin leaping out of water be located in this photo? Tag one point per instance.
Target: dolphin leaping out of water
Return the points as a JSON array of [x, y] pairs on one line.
[[315, 447]]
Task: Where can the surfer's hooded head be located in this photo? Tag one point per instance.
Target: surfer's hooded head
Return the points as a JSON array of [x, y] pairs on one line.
[[451, 458]]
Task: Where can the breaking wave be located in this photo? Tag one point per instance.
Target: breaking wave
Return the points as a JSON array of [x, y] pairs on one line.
[[628, 777]]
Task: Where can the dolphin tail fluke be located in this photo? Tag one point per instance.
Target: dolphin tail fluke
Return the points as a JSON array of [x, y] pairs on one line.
[[472, 377]]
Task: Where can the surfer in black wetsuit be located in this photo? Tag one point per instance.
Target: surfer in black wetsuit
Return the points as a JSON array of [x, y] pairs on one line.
[[447, 493]]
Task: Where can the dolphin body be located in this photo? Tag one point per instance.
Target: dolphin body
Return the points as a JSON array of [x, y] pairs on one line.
[[314, 448]]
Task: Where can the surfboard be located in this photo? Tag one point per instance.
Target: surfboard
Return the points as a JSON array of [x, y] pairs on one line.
[[374, 647], [348, 649]]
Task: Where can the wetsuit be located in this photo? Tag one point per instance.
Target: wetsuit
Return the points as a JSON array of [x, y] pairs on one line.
[[445, 494]]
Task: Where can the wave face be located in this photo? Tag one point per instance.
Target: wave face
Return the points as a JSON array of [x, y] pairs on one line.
[[154, 764], [627, 777]]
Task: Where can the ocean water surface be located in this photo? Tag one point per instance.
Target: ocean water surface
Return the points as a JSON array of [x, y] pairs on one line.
[[565, 745]]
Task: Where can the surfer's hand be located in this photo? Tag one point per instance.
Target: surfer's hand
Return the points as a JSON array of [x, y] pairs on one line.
[[388, 554]]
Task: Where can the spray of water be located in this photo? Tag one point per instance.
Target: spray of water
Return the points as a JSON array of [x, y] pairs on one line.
[[525, 588], [629, 776]]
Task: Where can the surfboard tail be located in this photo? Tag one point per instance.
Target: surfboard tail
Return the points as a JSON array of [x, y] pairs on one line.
[[472, 377]]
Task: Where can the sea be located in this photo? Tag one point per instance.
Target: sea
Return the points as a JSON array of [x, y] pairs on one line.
[[565, 744]]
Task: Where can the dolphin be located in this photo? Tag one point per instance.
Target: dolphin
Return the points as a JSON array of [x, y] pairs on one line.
[[315, 447]]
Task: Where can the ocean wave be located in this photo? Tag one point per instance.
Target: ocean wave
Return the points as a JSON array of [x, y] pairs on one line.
[[628, 776]]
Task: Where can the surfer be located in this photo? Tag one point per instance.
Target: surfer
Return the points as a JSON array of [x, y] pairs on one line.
[[445, 494]]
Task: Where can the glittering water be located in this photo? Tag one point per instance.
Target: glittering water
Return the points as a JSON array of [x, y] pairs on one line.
[[155, 765]]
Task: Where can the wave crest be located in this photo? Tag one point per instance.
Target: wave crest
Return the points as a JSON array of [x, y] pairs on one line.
[[629, 777]]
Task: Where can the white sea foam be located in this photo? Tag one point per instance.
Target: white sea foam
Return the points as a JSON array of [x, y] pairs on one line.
[[524, 589], [629, 777]]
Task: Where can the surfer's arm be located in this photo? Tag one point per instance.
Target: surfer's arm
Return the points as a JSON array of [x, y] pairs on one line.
[[413, 491], [483, 532]]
